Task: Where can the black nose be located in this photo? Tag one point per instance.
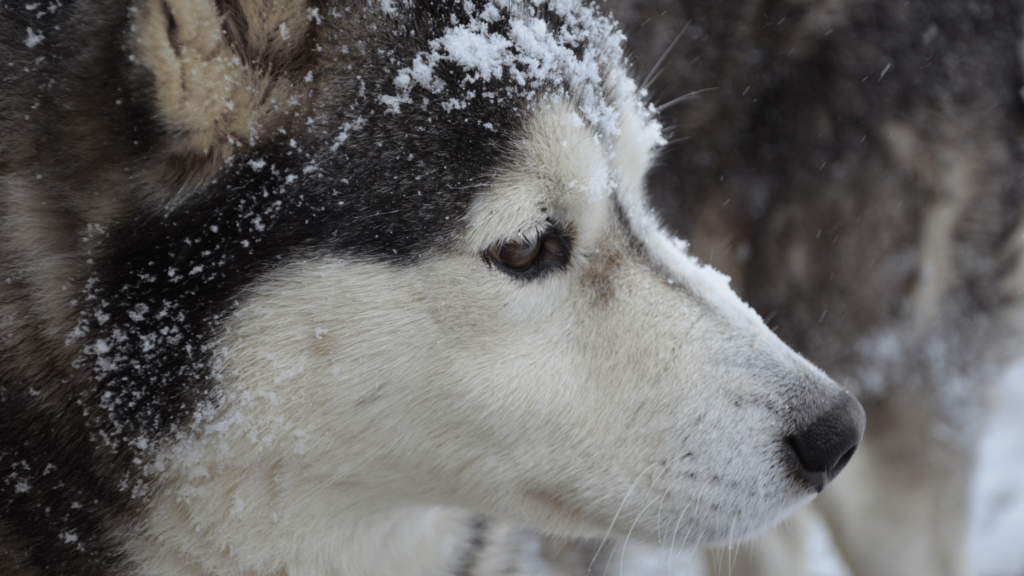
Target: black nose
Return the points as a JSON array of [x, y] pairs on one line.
[[824, 446]]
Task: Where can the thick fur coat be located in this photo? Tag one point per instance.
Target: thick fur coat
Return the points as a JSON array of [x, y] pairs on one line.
[[317, 288]]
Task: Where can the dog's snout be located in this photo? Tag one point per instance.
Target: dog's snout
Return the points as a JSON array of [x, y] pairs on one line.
[[825, 445]]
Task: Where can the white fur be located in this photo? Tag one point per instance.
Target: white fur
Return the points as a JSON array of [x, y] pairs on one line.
[[367, 406]]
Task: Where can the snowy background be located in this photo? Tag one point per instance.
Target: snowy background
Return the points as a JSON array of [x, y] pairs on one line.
[[997, 523], [997, 526]]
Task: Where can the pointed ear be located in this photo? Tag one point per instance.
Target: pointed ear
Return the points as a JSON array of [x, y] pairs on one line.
[[223, 74]]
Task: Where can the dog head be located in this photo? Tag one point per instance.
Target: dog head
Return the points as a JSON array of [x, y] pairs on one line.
[[407, 260]]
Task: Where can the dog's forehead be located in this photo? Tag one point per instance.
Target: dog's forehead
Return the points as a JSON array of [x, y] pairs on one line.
[[562, 170], [558, 169]]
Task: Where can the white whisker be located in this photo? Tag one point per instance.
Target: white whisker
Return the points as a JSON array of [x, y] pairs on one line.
[[728, 551], [657, 64], [696, 505], [681, 516], [660, 504], [616, 517], [694, 94], [622, 556]]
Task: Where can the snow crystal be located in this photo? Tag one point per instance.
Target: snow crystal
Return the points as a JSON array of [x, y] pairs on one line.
[[476, 50], [138, 313], [33, 39], [342, 136], [388, 6]]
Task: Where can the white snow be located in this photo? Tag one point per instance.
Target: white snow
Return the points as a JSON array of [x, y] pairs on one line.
[[388, 6], [33, 38], [531, 58], [997, 525], [884, 70]]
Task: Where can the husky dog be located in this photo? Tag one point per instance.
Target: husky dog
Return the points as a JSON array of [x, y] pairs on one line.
[[857, 171], [357, 288]]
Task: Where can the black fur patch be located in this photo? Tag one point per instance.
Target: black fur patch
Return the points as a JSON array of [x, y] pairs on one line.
[[477, 542]]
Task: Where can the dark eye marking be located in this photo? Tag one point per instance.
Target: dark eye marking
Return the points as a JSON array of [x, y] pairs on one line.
[[531, 258]]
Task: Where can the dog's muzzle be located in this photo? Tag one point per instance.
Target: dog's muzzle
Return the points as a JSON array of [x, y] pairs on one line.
[[825, 445]]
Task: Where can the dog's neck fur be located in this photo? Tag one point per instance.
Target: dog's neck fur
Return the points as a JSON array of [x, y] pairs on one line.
[[408, 540]]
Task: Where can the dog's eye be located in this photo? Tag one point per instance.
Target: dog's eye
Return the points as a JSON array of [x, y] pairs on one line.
[[516, 255], [530, 258]]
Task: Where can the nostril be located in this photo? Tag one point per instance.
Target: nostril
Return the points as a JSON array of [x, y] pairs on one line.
[[824, 446], [815, 478], [843, 461]]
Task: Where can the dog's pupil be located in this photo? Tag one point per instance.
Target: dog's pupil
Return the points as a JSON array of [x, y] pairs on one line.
[[519, 255]]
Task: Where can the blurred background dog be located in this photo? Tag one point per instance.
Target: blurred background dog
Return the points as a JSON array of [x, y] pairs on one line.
[[855, 167]]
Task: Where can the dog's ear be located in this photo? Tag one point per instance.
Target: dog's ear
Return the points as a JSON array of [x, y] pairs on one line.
[[223, 73]]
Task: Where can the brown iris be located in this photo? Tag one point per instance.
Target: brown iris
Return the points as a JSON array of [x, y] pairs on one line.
[[529, 258], [517, 254]]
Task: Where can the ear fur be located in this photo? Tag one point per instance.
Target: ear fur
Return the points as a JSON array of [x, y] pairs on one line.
[[226, 75]]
